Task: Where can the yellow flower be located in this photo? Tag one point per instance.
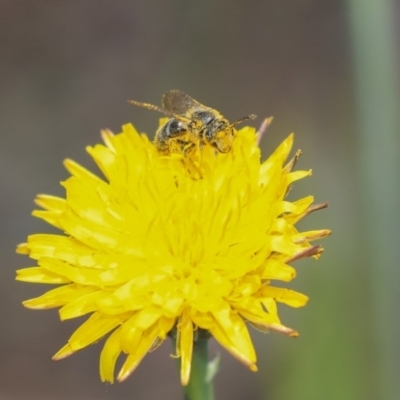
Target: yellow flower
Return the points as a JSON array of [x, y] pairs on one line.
[[171, 243]]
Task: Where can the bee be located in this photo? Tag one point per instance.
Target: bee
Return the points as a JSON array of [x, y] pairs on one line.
[[191, 125]]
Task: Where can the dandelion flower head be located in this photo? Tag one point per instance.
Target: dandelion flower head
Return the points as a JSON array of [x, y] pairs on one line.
[[165, 244]]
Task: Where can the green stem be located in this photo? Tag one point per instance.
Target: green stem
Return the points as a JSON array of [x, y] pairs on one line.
[[200, 386], [377, 95]]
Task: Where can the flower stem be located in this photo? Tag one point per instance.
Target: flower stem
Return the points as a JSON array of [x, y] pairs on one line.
[[200, 386]]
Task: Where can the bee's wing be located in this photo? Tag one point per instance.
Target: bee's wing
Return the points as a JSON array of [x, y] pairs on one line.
[[177, 102]]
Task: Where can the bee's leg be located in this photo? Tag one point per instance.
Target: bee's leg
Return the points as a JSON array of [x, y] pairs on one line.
[[183, 146], [193, 168], [188, 148], [163, 148], [174, 146]]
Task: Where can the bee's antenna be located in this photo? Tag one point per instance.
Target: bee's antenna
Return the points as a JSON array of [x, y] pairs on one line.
[[148, 106], [156, 108], [240, 120]]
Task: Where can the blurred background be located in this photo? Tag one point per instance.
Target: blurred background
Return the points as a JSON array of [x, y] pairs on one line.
[[327, 70]]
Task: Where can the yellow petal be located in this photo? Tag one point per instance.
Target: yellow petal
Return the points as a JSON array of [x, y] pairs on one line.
[[22, 248], [135, 357], [108, 137], [297, 175], [311, 235], [103, 157], [81, 173], [51, 217], [109, 355], [93, 329], [81, 304], [283, 295], [231, 332], [278, 270], [40, 275], [130, 335], [64, 352], [58, 297], [51, 203]]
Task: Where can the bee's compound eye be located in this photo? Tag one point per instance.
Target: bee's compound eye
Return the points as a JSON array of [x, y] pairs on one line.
[[174, 127]]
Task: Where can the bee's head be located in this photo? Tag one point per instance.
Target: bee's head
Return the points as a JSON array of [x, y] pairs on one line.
[[217, 132], [223, 136], [222, 133]]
